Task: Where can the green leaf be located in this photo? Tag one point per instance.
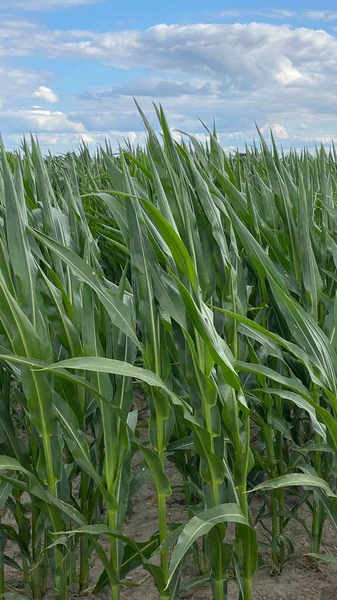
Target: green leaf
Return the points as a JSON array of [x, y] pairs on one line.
[[119, 312], [115, 367], [327, 558], [201, 524], [36, 489], [296, 480]]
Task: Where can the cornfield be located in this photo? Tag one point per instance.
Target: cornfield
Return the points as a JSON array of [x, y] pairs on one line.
[[201, 285]]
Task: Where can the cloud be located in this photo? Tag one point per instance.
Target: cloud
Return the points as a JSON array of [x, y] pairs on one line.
[[287, 74], [280, 13], [18, 84], [243, 56], [155, 87], [46, 94], [321, 15], [274, 13], [235, 73], [44, 5], [21, 37], [59, 143], [279, 131], [283, 12], [37, 120]]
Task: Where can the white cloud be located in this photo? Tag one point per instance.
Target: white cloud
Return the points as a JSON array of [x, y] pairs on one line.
[[43, 5], [157, 88], [235, 73], [288, 74], [273, 13], [37, 120], [279, 131], [21, 37], [18, 84], [279, 13], [46, 94], [58, 143], [284, 12], [243, 56], [321, 15]]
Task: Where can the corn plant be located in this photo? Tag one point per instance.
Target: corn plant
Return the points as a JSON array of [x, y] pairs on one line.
[[207, 279]]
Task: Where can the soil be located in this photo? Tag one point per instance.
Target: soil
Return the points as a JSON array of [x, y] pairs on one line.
[[298, 580]]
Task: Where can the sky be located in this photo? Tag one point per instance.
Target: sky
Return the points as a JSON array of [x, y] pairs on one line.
[[70, 70]]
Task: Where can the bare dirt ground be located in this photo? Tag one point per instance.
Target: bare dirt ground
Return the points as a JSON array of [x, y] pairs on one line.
[[298, 581]]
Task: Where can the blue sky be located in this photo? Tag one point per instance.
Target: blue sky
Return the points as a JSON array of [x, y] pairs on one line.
[[69, 69]]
